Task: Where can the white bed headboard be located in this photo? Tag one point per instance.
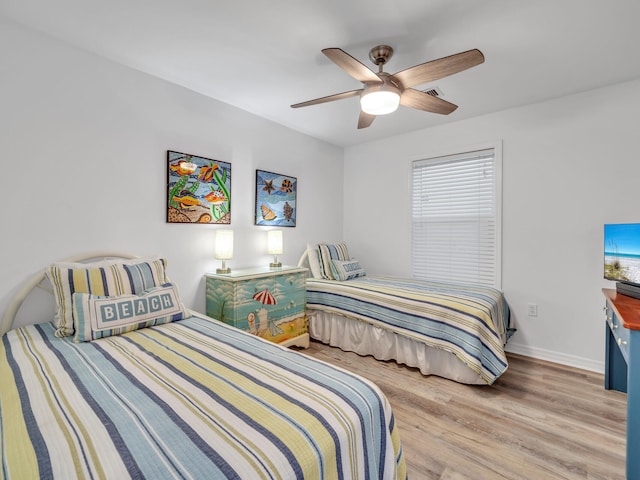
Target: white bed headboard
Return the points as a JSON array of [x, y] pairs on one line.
[[38, 279], [304, 260]]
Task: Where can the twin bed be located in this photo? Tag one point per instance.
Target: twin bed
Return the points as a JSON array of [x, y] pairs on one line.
[[129, 394], [453, 331]]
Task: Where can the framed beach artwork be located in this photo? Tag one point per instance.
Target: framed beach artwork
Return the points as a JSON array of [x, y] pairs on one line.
[[198, 189], [275, 199]]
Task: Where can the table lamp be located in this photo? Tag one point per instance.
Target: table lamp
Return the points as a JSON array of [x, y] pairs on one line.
[[274, 246], [224, 249]]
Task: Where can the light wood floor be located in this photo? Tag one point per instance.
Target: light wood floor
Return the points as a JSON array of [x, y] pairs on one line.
[[539, 420]]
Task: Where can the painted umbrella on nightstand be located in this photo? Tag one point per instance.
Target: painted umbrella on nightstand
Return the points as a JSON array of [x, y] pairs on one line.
[[265, 297]]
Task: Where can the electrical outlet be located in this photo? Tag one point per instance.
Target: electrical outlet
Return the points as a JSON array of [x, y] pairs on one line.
[[532, 310]]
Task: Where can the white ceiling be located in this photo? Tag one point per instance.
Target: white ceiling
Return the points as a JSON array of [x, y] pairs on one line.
[[264, 56]]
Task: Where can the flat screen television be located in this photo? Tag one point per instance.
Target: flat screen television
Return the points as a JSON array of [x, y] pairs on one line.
[[622, 252]]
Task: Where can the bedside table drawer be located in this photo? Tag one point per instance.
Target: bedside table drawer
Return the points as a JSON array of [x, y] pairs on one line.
[[291, 283], [620, 333], [290, 286]]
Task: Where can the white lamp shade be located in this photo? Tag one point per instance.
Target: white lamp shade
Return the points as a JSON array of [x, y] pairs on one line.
[[274, 242], [380, 102], [224, 244]]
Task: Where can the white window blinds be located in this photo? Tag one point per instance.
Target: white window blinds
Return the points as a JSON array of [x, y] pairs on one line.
[[455, 218]]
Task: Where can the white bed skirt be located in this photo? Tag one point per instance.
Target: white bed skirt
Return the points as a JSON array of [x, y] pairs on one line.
[[353, 335]]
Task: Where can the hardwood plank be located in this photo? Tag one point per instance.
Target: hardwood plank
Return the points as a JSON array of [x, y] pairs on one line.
[[539, 420]]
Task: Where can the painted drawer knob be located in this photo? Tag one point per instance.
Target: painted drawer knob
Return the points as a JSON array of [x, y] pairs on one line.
[[613, 325], [621, 342]]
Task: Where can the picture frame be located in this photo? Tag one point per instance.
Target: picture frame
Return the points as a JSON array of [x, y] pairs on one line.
[[276, 199], [198, 189]]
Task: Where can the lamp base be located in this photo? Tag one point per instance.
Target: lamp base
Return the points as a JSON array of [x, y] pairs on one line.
[[223, 270], [275, 265]]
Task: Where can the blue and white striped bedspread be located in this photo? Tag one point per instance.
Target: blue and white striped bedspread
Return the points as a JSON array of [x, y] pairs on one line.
[[190, 399], [469, 321]]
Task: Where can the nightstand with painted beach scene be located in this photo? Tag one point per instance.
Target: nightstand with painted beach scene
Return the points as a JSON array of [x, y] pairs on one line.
[[267, 302]]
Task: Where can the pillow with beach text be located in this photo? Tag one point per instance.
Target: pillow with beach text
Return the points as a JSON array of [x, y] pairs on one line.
[[98, 316], [347, 269]]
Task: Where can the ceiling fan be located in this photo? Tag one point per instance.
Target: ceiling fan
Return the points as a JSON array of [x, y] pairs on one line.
[[383, 92]]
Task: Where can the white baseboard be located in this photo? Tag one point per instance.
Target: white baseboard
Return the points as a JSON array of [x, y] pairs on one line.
[[556, 357]]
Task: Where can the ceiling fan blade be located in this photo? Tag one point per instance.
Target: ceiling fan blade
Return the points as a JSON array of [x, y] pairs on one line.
[[350, 65], [329, 98], [423, 101], [365, 120], [440, 68]]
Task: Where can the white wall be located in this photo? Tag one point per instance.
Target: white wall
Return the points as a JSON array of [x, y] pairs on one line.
[[569, 166], [84, 143], [84, 146]]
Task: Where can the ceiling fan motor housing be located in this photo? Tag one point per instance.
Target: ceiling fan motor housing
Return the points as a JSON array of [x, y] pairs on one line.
[[388, 83]]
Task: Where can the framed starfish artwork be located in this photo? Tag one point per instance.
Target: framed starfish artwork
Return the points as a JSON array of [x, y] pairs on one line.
[[198, 189], [275, 199]]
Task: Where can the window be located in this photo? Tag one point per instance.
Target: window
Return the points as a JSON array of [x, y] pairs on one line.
[[456, 211]]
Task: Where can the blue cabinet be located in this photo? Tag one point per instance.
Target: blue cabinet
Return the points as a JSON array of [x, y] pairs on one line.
[[269, 303], [622, 366]]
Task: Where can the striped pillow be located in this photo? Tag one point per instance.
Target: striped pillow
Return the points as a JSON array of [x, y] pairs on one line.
[[328, 252], [105, 278], [96, 316]]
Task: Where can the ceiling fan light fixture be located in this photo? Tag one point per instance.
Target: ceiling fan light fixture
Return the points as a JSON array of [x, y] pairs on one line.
[[380, 99]]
